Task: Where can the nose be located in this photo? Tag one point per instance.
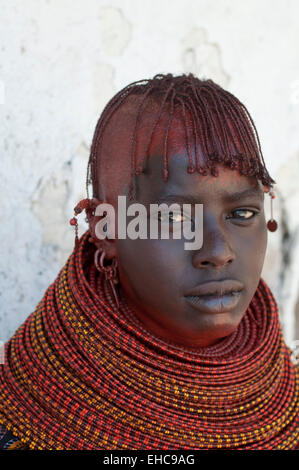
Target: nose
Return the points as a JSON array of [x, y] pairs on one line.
[[216, 250]]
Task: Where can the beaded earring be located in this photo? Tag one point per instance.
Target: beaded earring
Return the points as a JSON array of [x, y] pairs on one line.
[[271, 224], [110, 271], [83, 204]]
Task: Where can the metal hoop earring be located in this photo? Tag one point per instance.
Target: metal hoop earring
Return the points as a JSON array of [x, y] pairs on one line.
[[110, 271]]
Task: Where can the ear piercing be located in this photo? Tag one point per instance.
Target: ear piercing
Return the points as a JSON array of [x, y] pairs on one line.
[[271, 224], [109, 271]]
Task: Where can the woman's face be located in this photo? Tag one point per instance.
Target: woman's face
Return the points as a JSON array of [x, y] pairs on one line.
[[156, 275]]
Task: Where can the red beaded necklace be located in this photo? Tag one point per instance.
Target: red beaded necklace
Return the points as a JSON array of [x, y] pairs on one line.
[[82, 374]]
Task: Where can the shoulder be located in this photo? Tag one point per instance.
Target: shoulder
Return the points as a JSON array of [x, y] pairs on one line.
[[8, 441]]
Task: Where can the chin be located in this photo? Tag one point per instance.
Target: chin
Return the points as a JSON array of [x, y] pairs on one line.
[[224, 326], [219, 326]]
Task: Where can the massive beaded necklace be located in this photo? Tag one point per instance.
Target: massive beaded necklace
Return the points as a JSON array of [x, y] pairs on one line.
[[81, 373]]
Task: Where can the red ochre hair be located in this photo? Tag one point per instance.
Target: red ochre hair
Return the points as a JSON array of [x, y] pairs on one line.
[[218, 120]]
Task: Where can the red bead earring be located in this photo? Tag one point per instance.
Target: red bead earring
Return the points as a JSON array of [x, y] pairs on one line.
[[83, 204], [272, 224], [110, 271]]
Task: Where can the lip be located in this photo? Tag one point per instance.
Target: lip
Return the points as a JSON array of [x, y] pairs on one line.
[[215, 296], [216, 287]]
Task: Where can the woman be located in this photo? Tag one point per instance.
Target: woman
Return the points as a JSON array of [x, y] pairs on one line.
[[141, 343]]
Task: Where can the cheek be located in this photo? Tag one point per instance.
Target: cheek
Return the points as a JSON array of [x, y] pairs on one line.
[[256, 246], [251, 250], [151, 265]]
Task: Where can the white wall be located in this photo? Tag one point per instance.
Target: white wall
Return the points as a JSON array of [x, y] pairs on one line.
[[60, 62]]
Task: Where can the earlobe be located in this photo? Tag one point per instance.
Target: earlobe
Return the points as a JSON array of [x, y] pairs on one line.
[[101, 243], [108, 245], [90, 206]]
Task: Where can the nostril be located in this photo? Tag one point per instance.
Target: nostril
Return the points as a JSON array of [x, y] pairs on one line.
[[215, 262]]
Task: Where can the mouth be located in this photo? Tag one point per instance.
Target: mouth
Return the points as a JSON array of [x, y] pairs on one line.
[[216, 297]]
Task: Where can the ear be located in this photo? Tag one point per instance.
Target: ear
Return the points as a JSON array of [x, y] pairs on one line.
[[108, 244]]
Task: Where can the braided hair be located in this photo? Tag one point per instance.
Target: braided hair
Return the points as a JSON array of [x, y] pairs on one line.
[[213, 118]]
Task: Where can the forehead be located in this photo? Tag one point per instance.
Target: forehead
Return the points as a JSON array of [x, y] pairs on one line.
[[193, 187]]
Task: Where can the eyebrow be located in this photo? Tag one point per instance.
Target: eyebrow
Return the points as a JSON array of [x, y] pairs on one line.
[[227, 197]]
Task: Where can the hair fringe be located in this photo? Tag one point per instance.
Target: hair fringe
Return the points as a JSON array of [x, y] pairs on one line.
[[206, 102]]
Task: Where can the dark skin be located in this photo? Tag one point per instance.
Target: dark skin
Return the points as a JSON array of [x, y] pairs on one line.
[[155, 275]]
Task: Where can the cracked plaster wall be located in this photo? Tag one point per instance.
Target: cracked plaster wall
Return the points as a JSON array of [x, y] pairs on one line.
[[60, 62]]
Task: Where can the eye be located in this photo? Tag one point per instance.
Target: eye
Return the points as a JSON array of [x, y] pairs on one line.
[[243, 214], [174, 217]]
